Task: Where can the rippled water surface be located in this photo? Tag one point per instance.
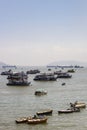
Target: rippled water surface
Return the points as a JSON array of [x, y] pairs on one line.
[[18, 102]]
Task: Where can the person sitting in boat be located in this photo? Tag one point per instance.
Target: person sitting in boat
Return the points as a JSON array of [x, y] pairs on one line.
[[72, 106]]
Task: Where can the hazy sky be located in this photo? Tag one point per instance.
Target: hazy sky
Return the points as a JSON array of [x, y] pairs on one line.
[[37, 32]]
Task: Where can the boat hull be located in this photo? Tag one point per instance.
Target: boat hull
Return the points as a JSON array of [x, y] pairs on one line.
[[37, 121], [65, 111], [79, 105], [45, 112], [18, 84]]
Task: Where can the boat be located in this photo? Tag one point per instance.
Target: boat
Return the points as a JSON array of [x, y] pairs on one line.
[[71, 71], [78, 105], [58, 72], [63, 84], [61, 74], [33, 71], [45, 112], [18, 83], [9, 66], [37, 120], [45, 77], [21, 120], [65, 111], [18, 79], [49, 69], [64, 75], [69, 110], [40, 92]]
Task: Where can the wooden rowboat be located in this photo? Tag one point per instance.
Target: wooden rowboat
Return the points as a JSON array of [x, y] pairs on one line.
[[45, 112], [65, 111], [80, 105], [37, 120]]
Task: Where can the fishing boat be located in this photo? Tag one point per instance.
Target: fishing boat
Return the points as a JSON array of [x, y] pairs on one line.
[[69, 110], [78, 105], [45, 112], [33, 71], [37, 120], [18, 79], [64, 75], [65, 111], [45, 77], [71, 71]]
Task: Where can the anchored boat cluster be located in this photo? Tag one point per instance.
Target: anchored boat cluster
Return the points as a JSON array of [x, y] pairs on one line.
[[21, 78]]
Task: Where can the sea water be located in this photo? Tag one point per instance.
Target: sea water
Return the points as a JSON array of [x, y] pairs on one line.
[[16, 102]]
